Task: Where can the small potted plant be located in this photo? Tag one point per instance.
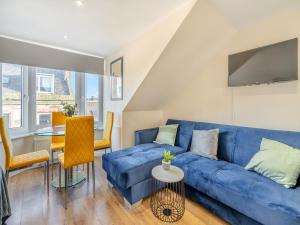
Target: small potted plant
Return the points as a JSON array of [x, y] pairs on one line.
[[69, 110], [166, 162]]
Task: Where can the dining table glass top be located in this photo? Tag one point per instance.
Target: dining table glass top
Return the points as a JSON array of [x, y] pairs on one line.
[[51, 131], [56, 130]]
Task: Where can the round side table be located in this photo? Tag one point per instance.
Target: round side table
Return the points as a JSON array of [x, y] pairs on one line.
[[168, 197]]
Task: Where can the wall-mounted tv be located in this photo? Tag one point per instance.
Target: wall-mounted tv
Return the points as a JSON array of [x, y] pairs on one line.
[[273, 63]]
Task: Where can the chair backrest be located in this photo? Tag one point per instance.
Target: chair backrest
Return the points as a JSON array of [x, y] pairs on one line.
[[58, 118], [79, 141], [108, 126], [6, 141]]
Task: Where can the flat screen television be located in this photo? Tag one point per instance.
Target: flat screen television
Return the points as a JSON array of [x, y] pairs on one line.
[[273, 63]]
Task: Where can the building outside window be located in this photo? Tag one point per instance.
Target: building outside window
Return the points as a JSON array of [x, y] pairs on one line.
[[53, 87], [92, 95], [44, 83]]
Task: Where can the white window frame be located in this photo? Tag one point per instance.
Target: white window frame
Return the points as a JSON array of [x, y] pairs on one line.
[[24, 97], [29, 91], [80, 97], [38, 82]]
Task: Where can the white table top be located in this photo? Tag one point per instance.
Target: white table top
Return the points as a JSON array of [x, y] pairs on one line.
[[174, 174]]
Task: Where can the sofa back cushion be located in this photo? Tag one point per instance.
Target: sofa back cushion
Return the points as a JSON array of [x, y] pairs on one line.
[[248, 142], [226, 142]]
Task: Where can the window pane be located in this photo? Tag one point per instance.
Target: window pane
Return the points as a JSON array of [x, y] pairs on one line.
[[92, 95], [12, 83], [45, 83], [53, 87]]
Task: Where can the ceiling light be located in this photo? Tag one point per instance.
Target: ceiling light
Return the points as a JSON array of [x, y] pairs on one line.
[[79, 3], [65, 37]]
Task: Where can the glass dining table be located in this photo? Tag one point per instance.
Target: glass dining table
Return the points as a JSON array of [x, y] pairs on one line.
[[77, 175]]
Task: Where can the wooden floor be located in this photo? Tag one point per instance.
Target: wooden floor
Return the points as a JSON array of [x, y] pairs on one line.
[[30, 205]]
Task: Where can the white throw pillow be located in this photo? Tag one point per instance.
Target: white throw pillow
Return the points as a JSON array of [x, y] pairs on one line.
[[205, 143]]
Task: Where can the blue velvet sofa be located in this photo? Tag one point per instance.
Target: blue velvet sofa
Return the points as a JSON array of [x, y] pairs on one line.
[[223, 186]]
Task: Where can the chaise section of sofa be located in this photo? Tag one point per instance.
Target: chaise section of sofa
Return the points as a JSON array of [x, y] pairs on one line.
[[129, 170]]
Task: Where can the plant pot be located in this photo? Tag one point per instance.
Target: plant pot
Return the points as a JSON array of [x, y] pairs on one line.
[[166, 165]]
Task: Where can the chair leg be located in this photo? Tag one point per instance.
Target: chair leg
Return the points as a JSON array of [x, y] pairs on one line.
[[59, 176], [48, 178], [88, 172], [45, 173], [66, 170], [52, 164], [105, 150], [111, 149], [93, 172]]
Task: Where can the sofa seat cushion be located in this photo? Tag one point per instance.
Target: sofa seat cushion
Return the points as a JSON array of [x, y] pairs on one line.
[[133, 165], [256, 196], [198, 170], [247, 192]]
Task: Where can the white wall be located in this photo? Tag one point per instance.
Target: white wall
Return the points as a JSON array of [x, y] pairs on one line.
[[275, 106], [200, 37], [189, 79], [137, 120], [139, 56]]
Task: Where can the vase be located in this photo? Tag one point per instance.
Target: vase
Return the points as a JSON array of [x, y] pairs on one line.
[[166, 165]]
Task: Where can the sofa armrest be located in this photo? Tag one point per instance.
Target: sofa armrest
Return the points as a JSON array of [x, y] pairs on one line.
[[145, 136]]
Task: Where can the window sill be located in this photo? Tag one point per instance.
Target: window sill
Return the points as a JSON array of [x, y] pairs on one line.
[[100, 128], [19, 135]]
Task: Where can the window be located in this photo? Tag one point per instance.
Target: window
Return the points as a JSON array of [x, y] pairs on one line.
[[31, 94], [92, 95], [44, 83], [12, 94], [44, 118], [53, 87]]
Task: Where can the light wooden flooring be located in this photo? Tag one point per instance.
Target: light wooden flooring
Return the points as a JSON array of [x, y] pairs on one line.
[[30, 205]]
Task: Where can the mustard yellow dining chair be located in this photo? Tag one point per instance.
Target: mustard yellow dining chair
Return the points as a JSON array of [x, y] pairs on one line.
[[57, 142], [79, 148], [13, 163], [105, 142]]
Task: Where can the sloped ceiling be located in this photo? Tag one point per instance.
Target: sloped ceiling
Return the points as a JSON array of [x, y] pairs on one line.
[[203, 32]]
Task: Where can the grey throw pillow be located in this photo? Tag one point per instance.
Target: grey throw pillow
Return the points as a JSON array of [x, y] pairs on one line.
[[205, 143]]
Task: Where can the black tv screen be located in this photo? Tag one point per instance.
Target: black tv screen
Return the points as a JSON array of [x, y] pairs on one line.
[[273, 63]]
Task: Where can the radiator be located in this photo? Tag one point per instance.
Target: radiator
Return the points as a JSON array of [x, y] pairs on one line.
[[41, 143]]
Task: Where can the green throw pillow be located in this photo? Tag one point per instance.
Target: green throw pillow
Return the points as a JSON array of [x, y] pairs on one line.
[[167, 134], [277, 161]]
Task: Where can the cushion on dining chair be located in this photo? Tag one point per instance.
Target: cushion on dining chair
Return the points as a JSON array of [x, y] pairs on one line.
[[57, 146], [99, 144], [29, 159]]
